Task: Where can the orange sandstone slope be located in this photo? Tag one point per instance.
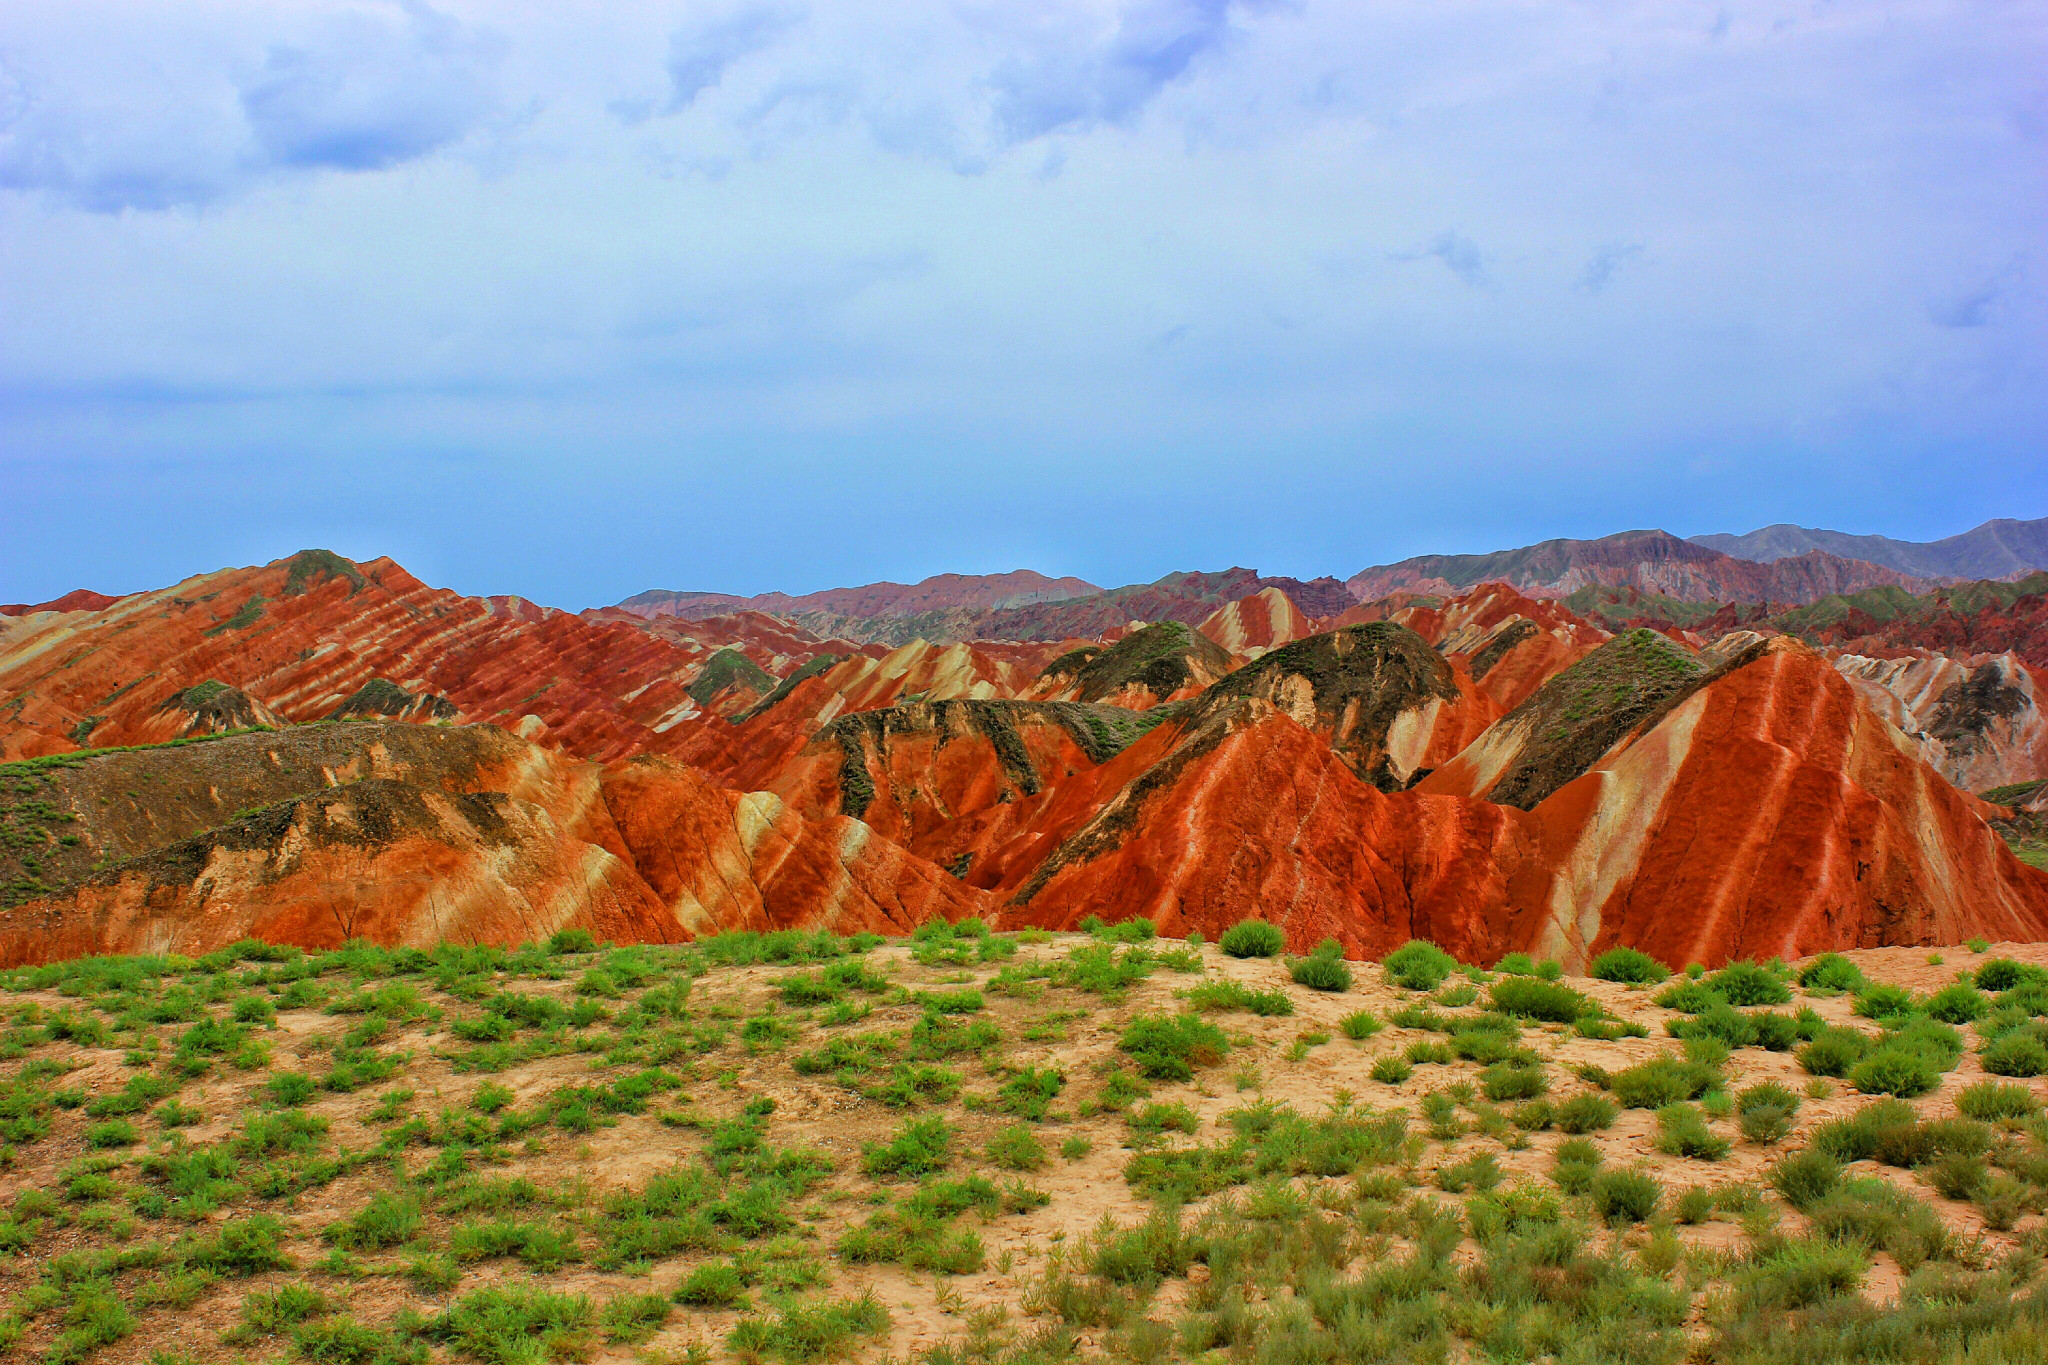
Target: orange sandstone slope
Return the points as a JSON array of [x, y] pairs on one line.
[[1255, 624], [301, 636], [410, 835], [1768, 812]]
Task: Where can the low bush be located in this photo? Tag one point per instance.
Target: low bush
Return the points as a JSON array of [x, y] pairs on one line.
[[1883, 1001], [1170, 1047], [1391, 1070], [1016, 1148], [1957, 1004], [1831, 972], [920, 1147], [1660, 1081], [1252, 938], [1585, 1113], [1234, 995], [2002, 974], [1765, 1112], [2016, 1054], [1320, 973], [1534, 998], [1629, 966], [1505, 1081], [1623, 1197], [1360, 1025], [1746, 983], [1805, 1177], [1682, 1131], [1991, 1101], [1419, 965], [1895, 1071], [1833, 1052]]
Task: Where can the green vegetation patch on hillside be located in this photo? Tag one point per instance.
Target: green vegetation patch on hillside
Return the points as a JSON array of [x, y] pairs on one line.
[[1577, 716], [722, 670], [1159, 658], [822, 663], [311, 568]]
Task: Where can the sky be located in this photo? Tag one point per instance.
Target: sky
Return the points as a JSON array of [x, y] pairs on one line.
[[572, 300]]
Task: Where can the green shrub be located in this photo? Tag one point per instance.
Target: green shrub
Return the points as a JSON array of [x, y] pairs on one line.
[[1360, 1025], [1391, 1070], [633, 1317], [1805, 1177], [1233, 995], [1883, 1001], [1833, 1052], [242, 1246], [388, 1220], [572, 941], [1513, 1081], [1252, 938], [1016, 1148], [1832, 972], [1533, 998], [1419, 965], [1746, 983], [112, 1133], [2002, 974], [1682, 1131], [1895, 1071], [1957, 1004], [1629, 966], [920, 1147], [1660, 1081], [1765, 1111], [1774, 1032], [1320, 973], [516, 1325], [1799, 1274], [2016, 1054], [1585, 1113], [1622, 1197], [1030, 1092], [1170, 1047], [718, 1284], [1991, 1101], [803, 1331]]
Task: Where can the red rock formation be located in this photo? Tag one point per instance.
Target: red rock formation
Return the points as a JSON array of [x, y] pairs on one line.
[[1769, 813], [1255, 624], [406, 835], [78, 599]]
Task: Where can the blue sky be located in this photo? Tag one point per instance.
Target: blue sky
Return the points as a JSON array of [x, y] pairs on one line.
[[575, 300]]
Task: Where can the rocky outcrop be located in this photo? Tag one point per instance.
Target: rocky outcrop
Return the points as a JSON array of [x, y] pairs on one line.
[[1387, 704], [1682, 841], [411, 835], [1977, 721], [382, 699], [1252, 625]]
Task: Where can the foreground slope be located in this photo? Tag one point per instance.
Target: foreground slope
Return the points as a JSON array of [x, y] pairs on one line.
[[974, 1146]]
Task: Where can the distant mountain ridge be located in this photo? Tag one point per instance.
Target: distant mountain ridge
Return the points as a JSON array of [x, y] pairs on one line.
[[1652, 562], [1018, 588], [2000, 548]]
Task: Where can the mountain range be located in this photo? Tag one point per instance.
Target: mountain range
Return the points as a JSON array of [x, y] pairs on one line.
[[320, 749], [1783, 565]]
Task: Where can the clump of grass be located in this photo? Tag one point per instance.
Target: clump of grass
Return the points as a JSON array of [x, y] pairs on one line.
[[1765, 1111], [1585, 1113], [920, 1147], [1016, 1148], [807, 1330], [1252, 938], [1391, 1070], [1682, 1131], [1320, 973], [1360, 1025], [1629, 966], [1991, 1100], [1534, 998], [1419, 965], [1623, 1197], [1234, 995], [1170, 1047]]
